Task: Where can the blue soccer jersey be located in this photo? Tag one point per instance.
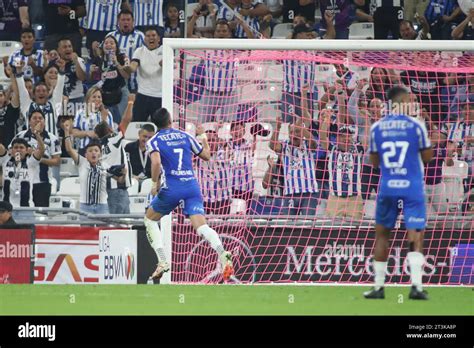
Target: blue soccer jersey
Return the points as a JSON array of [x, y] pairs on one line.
[[398, 140], [177, 150]]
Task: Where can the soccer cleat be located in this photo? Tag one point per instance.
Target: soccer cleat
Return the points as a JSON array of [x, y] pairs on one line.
[[161, 269], [415, 294], [375, 294], [226, 262]]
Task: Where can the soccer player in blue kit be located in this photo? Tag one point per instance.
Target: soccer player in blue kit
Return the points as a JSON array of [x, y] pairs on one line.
[[399, 144], [172, 151]]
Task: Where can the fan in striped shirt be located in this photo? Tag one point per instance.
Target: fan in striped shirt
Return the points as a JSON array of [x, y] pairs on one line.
[[33, 58], [344, 156], [299, 76], [243, 151], [93, 175], [344, 167], [250, 11], [148, 13], [220, 80], [299, 156], [215, 175], [41, 101], [461, 137], [102, 18], [41, 180], [172, 27], [129, 40], [86, 119]]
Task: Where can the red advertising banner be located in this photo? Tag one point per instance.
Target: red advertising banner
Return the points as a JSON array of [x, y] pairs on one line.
[[16, 255], [66, 255]]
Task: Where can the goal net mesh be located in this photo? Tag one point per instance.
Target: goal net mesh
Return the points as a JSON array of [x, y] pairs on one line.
[[289, 186]]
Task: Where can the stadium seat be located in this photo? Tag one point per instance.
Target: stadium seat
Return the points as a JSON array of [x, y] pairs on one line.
[[192, 111], [281, 31], [369, 209], [69, 187], [191, 128], [261, 93], [269, 113], [146, 187], [133, 189], [63, 202], [133, 129], [54, 186], [137, 205], [238, 207], [6, 49], [250, 72], [453, 177], [361, 31], [326, 73], [175, 111], [67, 167], [275, 73], [224, 132]]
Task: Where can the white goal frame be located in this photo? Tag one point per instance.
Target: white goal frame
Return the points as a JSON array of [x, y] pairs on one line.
[[171, 45]]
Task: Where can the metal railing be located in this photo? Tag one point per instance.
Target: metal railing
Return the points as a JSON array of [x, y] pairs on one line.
[[66, 216]]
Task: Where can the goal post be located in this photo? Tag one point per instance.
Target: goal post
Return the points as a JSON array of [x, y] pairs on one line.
[[282, 248]]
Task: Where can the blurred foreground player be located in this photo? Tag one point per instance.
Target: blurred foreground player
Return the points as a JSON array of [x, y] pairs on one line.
[[398, 143], [172, 150]]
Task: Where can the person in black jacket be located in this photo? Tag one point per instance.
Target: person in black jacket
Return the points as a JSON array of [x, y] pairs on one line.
[[141, 164], [6, 218]]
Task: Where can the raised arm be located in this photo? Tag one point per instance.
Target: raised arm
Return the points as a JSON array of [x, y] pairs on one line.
[[192, 22], [80, 72], [246, 28], [458, 32], [323, 131], [330, 28], [57, 97], [24, 17], [128, 113], [15, 98], [121, 68], [206, 149], [267, 178], [132, 67], [342, 117], [25, 100], [305, 114], [275, 144], [68, 142], [39, 152]]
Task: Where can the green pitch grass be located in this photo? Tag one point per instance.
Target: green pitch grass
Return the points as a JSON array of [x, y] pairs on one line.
[[225, 300]]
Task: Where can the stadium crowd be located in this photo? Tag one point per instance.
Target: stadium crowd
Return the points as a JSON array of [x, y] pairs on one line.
[[86, 69]]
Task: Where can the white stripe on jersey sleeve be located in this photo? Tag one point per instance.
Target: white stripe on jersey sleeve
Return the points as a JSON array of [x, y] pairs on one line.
[[423, 137], [196, 148]]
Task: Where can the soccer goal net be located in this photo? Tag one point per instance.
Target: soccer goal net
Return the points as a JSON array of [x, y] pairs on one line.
[[289, 186]]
